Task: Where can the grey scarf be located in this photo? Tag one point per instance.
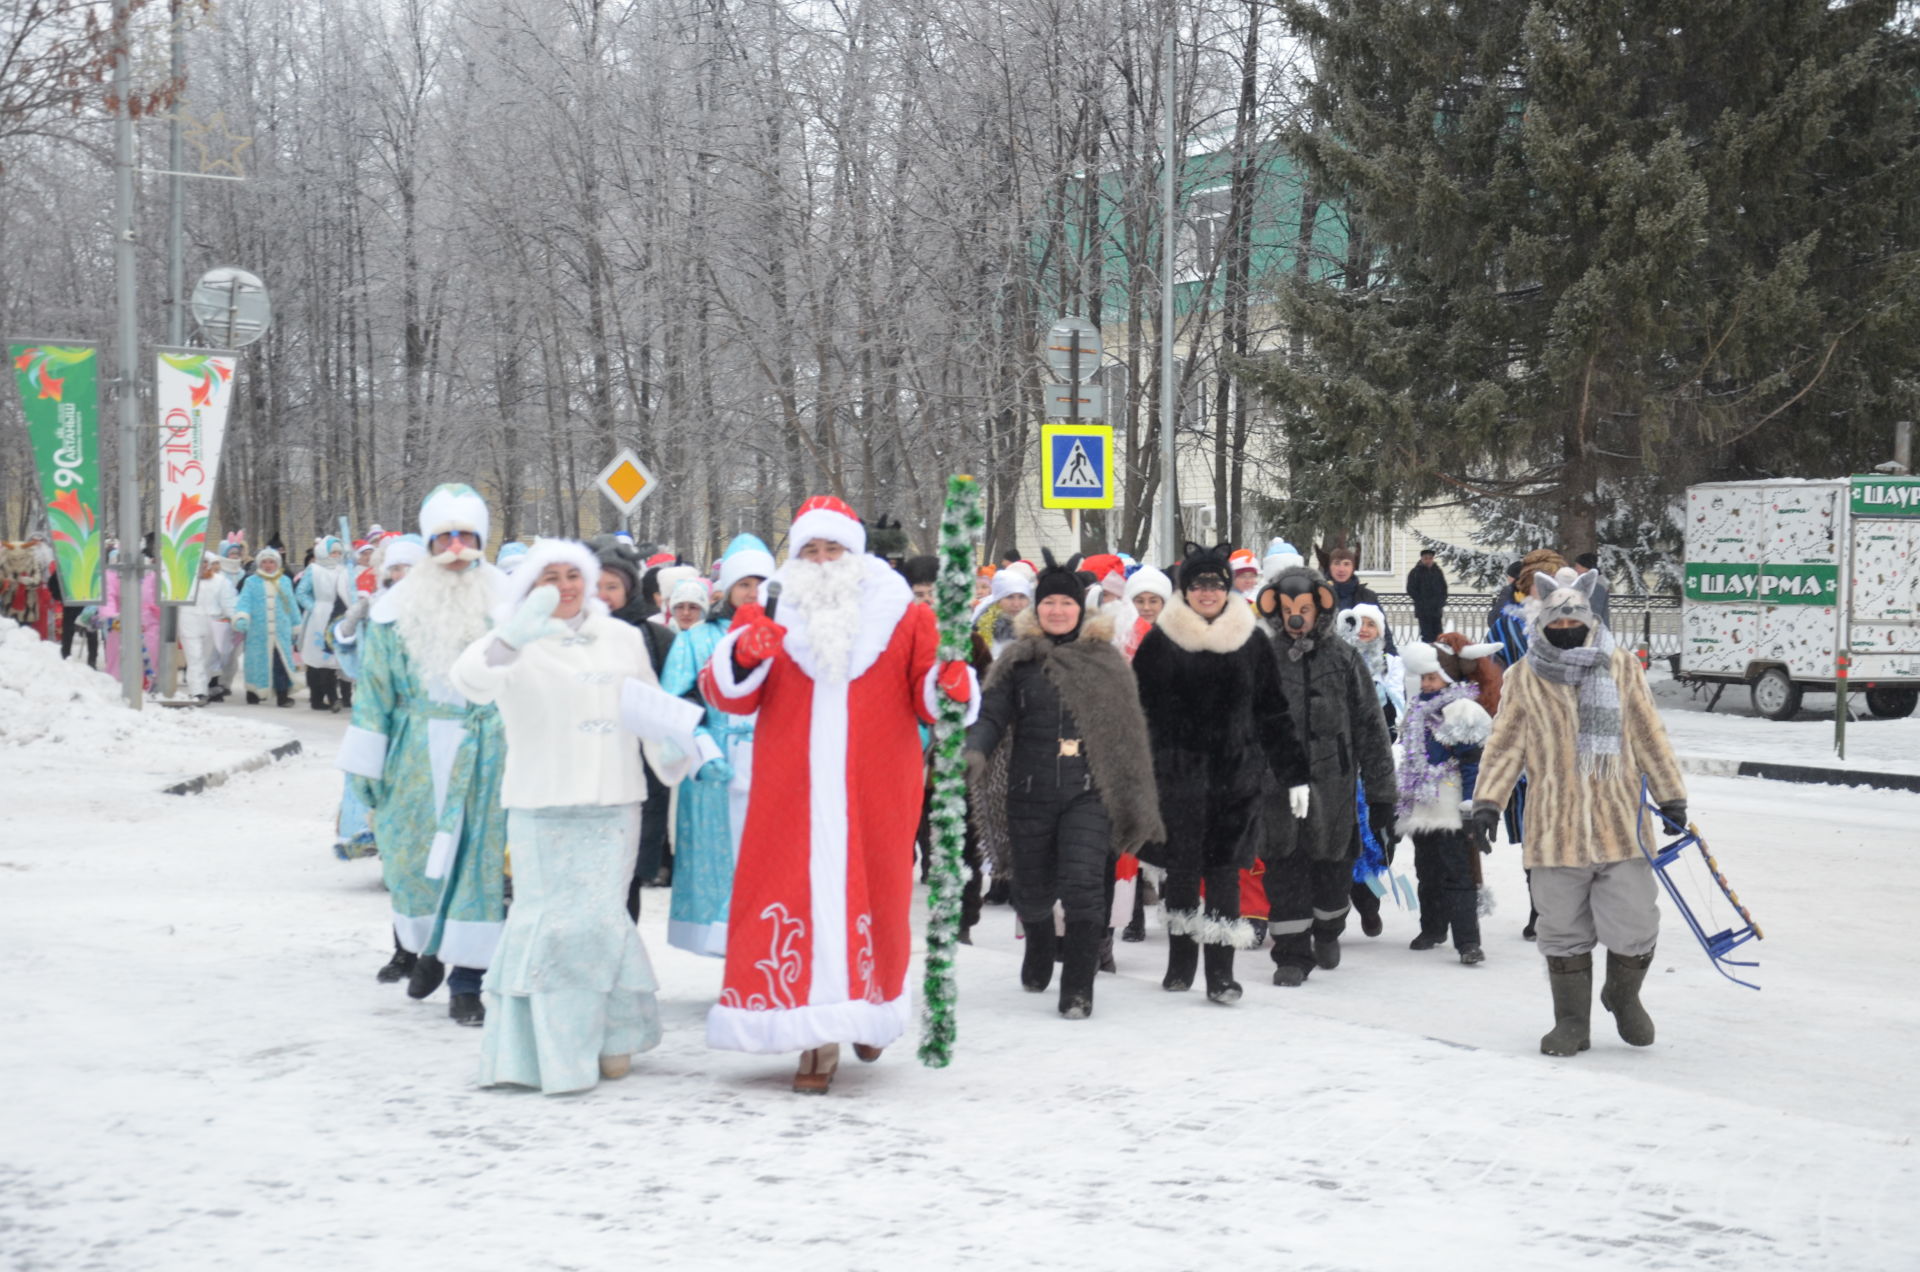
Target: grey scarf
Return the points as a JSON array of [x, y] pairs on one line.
[[1589, 670]]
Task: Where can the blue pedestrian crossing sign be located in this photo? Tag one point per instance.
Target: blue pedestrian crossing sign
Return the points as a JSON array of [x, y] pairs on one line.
[[1077, 465]]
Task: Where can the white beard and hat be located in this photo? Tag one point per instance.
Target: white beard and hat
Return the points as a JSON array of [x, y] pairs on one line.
[[443, 604]]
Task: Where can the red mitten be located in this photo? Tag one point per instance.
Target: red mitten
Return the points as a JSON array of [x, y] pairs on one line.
[[760, 641], [955, 682]]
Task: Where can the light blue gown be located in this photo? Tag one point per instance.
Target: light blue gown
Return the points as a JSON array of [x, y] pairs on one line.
[[571, 981], [706, 840]]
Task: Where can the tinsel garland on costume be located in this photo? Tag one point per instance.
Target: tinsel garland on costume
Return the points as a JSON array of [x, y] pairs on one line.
[[960, 524], [1420, 779], [1372, 861]]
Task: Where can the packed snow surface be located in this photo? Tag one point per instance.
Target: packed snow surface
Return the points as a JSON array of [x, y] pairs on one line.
[[203, 1074], [1734, 731]]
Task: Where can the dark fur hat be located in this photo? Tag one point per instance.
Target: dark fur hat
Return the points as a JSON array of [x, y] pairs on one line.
[[921, 569]]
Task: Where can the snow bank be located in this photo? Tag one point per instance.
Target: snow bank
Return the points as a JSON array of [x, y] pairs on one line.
[[1733, 732], [61, 722]]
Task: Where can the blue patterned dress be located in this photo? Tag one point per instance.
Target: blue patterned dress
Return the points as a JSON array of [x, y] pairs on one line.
[[706, 840], [437, 761]]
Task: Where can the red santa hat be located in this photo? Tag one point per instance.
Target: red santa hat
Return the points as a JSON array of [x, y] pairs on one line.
[[830, 518]]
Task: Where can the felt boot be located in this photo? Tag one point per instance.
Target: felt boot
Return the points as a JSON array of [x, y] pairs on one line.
[[1621, 996], [1571, 979], [1183, 956], [1078, 968], [1221, 987], [426, 976], [615, 1066], [1036, 966], [467, 1009]]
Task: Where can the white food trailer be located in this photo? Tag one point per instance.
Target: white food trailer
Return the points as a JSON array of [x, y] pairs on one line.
[[1786, 578]]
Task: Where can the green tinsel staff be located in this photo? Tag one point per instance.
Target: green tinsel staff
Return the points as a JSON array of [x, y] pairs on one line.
[[960, 524]]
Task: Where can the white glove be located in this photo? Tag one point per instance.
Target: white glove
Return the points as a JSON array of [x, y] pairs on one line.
[[533, 620], [1298, 797]]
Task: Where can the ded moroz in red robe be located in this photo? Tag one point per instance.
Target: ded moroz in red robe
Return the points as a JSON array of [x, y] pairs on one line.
[[818, 935]]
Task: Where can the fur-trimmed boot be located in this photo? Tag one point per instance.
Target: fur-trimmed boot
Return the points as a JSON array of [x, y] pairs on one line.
[[1036, 966], [1221, 987], [1078, 969], [1571, 979], [1183, 957], [1621, 996]]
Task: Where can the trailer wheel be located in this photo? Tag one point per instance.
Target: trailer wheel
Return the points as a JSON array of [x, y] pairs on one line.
[[1775, 696], [1892, 704]]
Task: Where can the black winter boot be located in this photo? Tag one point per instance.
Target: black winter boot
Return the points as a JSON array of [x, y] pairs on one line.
[[1078, 968], [1106, 952], [1136, 929], [1621, 996], [467, 1009], [1183, 956], [1571, 979], [1221, 987], [1326, 952], [427, 974], [1036, 965], [398, 968]]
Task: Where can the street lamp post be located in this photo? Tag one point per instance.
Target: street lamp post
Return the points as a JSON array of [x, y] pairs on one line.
[[126, 385]]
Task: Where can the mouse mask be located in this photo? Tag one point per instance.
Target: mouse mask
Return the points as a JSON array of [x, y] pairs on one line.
[[1296, 604]]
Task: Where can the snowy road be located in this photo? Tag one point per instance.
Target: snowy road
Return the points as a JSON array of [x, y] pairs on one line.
[[202, 1073]]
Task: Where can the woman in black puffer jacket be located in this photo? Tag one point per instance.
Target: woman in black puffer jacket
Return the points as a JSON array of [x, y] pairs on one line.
[[1060, 722], [1217, 723]]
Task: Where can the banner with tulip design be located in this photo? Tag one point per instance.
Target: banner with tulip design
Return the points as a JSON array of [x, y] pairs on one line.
[[60, 392], [192, 389]]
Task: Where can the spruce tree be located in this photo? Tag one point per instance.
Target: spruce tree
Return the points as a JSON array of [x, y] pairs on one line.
[[1601, 242]]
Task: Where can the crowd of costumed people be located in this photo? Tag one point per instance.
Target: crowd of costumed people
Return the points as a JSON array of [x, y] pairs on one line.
[[1235, 738]]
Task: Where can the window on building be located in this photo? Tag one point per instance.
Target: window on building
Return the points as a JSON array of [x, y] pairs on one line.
[[1376, 546], [1203, 222]]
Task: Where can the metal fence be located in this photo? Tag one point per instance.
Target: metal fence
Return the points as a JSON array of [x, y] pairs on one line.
[[1653, 621]]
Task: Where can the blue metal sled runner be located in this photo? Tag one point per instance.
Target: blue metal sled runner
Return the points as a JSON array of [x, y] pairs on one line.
[[1720, 944]]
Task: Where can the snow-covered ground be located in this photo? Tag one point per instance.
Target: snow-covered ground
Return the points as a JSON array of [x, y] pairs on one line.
[[203, 1074], [1733, 731]]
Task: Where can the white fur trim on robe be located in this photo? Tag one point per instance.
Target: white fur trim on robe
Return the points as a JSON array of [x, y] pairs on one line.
[[363, 753]]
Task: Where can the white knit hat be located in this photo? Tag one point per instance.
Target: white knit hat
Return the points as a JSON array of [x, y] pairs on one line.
[[694, 591], [1148, 579]]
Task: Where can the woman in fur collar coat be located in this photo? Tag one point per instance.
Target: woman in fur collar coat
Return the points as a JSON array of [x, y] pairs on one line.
[[1336, 717], [1060, 723], [1217, 724]]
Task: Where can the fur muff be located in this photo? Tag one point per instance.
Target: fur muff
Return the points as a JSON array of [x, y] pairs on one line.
[[1093, 682], [1216, 723], [1337, 720]]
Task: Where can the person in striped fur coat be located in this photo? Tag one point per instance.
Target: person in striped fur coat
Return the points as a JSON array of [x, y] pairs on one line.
[[1577, 718]]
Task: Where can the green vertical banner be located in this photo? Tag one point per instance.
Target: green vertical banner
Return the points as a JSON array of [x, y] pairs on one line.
[[60, 393], [191, 389]]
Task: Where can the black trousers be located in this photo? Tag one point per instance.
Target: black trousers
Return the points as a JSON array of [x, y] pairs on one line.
[[1443, 865], [1429, 624], [1365, 903], [70, 627], [1307, 900], [323, 684], [1062, 844], [653, 853]]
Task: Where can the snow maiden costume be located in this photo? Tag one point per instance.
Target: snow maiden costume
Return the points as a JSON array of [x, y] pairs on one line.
[[1440, 742], [267, 615], [712, 809], [392, 558], [325, 590], [570, 992], [429, 761], [1060, 717], [818, 939], [1576, 716], [206, 626], [1336, 720], [1216, 722]]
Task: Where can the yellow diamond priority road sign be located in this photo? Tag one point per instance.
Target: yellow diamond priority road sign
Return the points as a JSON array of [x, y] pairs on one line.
[[626, 481]]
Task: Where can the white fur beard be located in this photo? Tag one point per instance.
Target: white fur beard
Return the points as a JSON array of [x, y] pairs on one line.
[[828, 594], [445, 612]]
